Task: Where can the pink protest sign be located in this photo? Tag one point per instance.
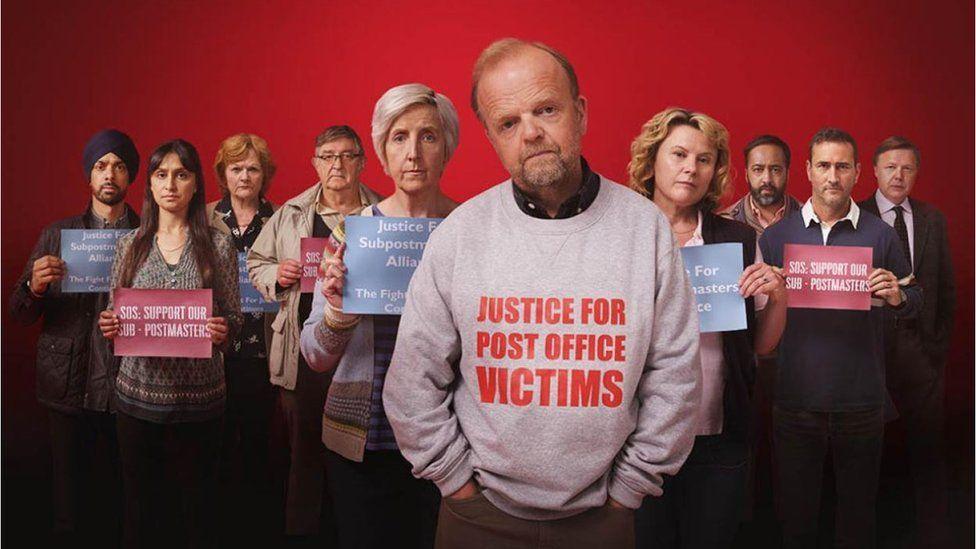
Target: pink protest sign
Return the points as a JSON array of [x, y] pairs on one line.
[[827, 277], [170, 323], [311, 257]]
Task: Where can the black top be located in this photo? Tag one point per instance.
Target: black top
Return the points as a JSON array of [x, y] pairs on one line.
[[249, 343], [76, 368], [573, 205], [833, 360], [738, 347], [933, 272]]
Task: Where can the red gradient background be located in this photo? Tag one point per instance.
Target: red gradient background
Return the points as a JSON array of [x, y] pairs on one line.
[[205, 70]]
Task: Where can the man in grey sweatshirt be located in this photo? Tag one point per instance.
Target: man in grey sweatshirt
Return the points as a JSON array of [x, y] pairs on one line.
[[546, 372]]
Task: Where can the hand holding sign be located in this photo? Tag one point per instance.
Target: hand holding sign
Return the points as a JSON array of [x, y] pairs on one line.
[[884, 284], [217, 326], [760, 278], [289, 272], [46, 270], [335, 278], [108, 323]]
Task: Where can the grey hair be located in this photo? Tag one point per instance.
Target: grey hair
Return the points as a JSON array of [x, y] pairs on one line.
[[397, 100]]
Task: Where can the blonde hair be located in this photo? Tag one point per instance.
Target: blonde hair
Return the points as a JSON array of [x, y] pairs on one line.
[[234, 149], [397, 100], [643, 152]]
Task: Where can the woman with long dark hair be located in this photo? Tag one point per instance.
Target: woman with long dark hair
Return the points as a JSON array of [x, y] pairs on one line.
[[170, 409]]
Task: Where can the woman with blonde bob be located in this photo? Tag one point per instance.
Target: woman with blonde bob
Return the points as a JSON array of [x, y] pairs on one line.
[[377, 501], [680, 161], [244, 170]]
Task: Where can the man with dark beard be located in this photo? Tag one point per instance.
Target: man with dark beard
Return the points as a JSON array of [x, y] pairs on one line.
[[768, 172], [76, 368]]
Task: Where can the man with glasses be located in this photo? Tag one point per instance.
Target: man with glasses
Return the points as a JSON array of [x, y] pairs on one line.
[[274, 268]]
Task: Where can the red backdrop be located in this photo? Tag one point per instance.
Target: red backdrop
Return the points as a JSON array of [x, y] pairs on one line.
[[203, 71]]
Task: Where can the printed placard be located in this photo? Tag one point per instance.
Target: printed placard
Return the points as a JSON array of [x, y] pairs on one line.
[[251, 299], [163, 323], [827, 277], [381, 255], [714, 271], [550, 351], [88, 256], [312, 247]]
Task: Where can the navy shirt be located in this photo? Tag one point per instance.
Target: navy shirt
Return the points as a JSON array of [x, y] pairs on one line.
[[833, 360]]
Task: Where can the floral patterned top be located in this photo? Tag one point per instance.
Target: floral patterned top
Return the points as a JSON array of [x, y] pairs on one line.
[[249, 343]]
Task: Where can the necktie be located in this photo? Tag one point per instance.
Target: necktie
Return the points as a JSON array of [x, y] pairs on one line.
[[902, 231]]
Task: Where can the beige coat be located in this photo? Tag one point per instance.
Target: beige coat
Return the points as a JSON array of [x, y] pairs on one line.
[[280, 239]]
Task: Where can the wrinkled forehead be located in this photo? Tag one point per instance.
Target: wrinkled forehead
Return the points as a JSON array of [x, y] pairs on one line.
[[833, 152], [767, 154], [419, 116], [338, 146], [520, 80], [250, 157], [905, 157]]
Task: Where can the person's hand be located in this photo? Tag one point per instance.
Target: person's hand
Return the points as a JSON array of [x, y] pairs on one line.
[[46, 270], [760, 278], [469, 490], [616, 504], [884, 284], [289, 272], [334, 277], [217, 326], [108, 323]]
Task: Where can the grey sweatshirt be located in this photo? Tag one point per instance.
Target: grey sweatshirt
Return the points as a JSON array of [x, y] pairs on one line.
[[554, 361]]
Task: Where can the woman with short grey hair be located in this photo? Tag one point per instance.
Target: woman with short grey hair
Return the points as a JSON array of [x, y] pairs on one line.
[[398, 100], [376, 500]]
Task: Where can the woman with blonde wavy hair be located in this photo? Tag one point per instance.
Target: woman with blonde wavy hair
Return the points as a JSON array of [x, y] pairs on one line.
[[680, 160]]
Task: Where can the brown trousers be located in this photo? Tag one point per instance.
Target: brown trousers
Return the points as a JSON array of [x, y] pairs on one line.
[[474, 523], [302, 409]]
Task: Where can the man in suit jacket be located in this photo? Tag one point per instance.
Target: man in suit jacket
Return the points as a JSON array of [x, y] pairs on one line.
[[916, 349]]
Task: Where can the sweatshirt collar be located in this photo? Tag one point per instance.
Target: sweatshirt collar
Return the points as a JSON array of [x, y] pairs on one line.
[[809, 216], [574, 205]]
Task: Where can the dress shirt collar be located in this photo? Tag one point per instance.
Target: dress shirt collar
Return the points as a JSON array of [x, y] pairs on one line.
[[885, 205]]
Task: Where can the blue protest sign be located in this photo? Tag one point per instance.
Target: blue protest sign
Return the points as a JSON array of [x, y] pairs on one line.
[[88, 256], [381, 255], [714, 270], [251, 300]]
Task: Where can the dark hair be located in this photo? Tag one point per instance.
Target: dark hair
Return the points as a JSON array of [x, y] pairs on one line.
[[338, 132], [199, 237], [832, 135], [767, 139], [893, 143]]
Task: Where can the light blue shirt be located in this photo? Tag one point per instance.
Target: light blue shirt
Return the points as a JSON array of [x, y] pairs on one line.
[[886, 208]]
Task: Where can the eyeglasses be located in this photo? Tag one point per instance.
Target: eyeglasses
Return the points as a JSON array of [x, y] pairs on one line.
[[329, 158]]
